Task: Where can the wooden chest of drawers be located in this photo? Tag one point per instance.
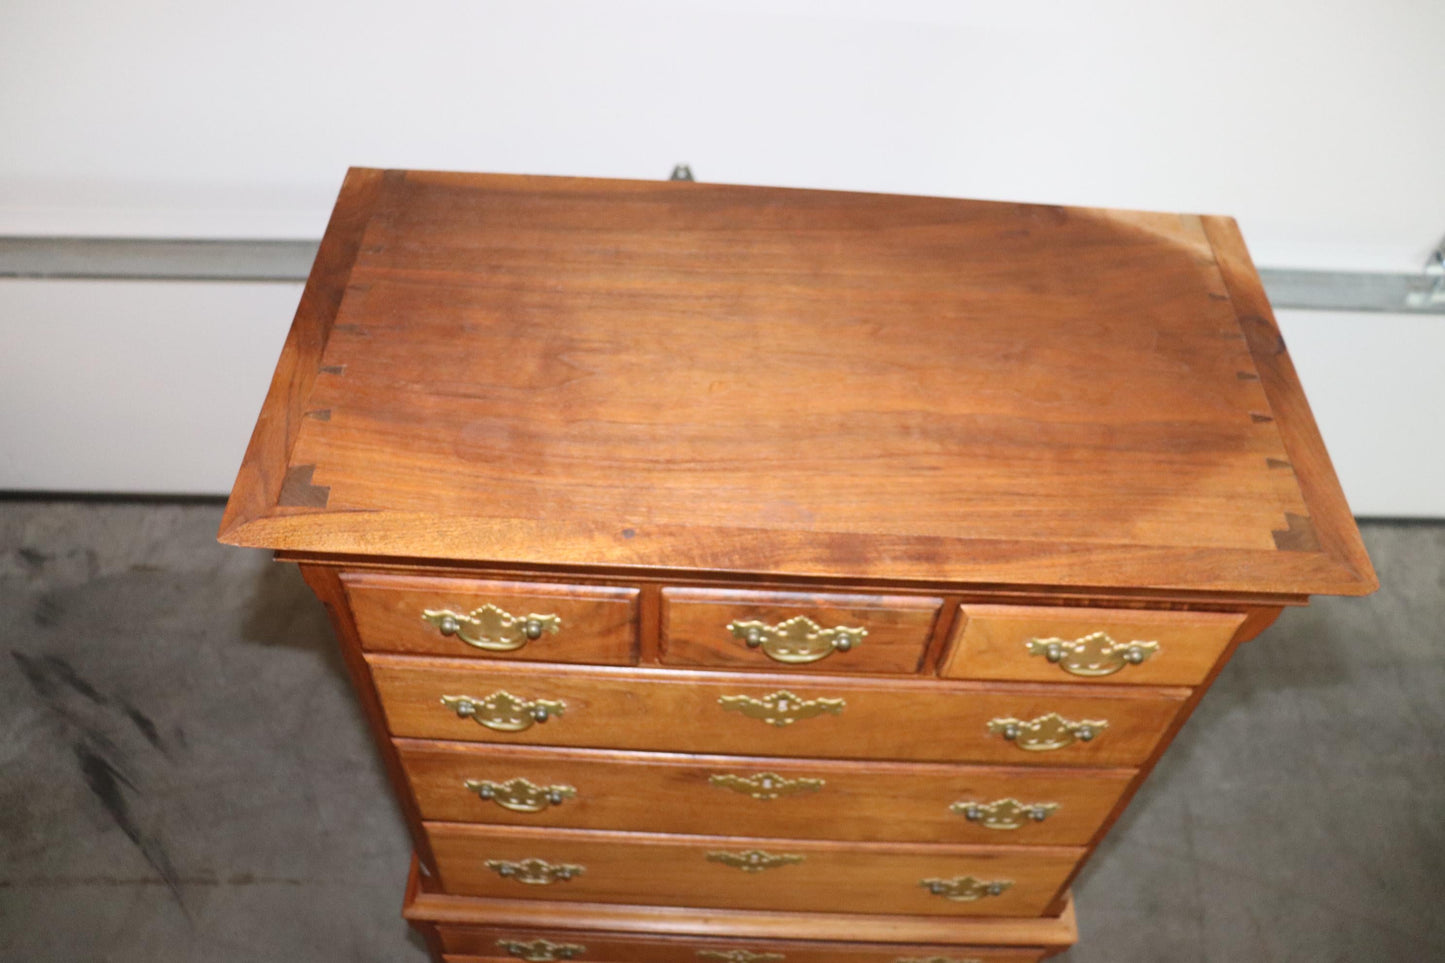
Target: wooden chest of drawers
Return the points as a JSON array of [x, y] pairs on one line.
[[756, 575]]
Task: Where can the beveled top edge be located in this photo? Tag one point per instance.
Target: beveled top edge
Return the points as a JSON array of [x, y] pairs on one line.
[[254, 518]]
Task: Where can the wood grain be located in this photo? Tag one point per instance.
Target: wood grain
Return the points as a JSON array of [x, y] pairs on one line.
[[477, 942], [1255, 622], [259, 484], [326, 583], [678, 711], [1330, 520], [675, 871], [984, 955], [427, 906], [695, 628], [804, 384], [598, 623], [991, 642], [656, 408], [670, 793]]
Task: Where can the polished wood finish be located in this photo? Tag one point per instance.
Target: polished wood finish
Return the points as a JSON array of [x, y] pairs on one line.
[[671, 793], [800, 383], [478, 942], [326, 584], [1331, 529], [425, 904], [673, 870], [654, 409], [1256, 621], [991, 642], [260, 483], [680, 712], [695, 628], [598, 624], [860, 955]]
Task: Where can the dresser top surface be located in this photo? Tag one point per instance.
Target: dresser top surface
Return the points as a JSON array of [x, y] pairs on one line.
[[629, 375]]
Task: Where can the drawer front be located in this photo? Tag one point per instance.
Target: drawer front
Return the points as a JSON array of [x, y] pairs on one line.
[[754, 796], [794, 631], [1036, 644], [530, 621], [744, 952], [471, 943], [708, 712], [739, 872]]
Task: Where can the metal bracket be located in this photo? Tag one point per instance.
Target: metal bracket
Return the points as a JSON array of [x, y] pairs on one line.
[[681, 172], [1433, 297]]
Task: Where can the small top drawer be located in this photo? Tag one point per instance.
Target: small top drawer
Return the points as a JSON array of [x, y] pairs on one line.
[[1039, 644], [779, 631], [534, 621]]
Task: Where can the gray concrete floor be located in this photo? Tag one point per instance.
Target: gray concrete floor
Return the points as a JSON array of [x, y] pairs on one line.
[[184, 774]]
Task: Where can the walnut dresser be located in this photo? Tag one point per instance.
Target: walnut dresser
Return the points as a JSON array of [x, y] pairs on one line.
[[744, 574]]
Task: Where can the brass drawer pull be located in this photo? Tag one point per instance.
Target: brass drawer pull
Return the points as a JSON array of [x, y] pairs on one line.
[[503, 711], [754, 860], [492, 628], [781, 708], [965, 889], [765, 785], [535, 872], [797, 641], [520, 795], [541, 951], [1093, 655], [740, 956], [1003, 814], [1048, 732]]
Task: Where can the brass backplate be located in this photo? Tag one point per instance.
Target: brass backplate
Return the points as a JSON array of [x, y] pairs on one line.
[[798, 640], [765, 785], [753, 860], [503, 711], [492, 628], [781, 708]]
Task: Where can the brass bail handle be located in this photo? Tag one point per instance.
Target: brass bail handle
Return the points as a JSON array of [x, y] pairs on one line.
[[492, 628], [1093, 655], [503, 712], [1004, 813], [966, 889], [798, 640], [520, 795], [1048, 732]]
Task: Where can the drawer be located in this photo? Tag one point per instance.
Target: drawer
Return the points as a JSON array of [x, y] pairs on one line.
[[795, 631], [749, 873], [532, 621], [714, 712], [754, 796], [1037, 644], [472, 943]]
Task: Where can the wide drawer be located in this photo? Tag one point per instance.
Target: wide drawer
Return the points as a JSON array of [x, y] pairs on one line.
[[795, 631], [711, 712], [531, 621], [1039, 644], [755, 796], [470, 943], [748, 872]]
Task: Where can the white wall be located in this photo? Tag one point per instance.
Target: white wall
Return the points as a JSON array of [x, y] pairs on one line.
[[1315, 123], [1376, 384], [134, 386]]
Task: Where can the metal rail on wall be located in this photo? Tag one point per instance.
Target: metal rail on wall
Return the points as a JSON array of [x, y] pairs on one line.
[[147, 259]]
